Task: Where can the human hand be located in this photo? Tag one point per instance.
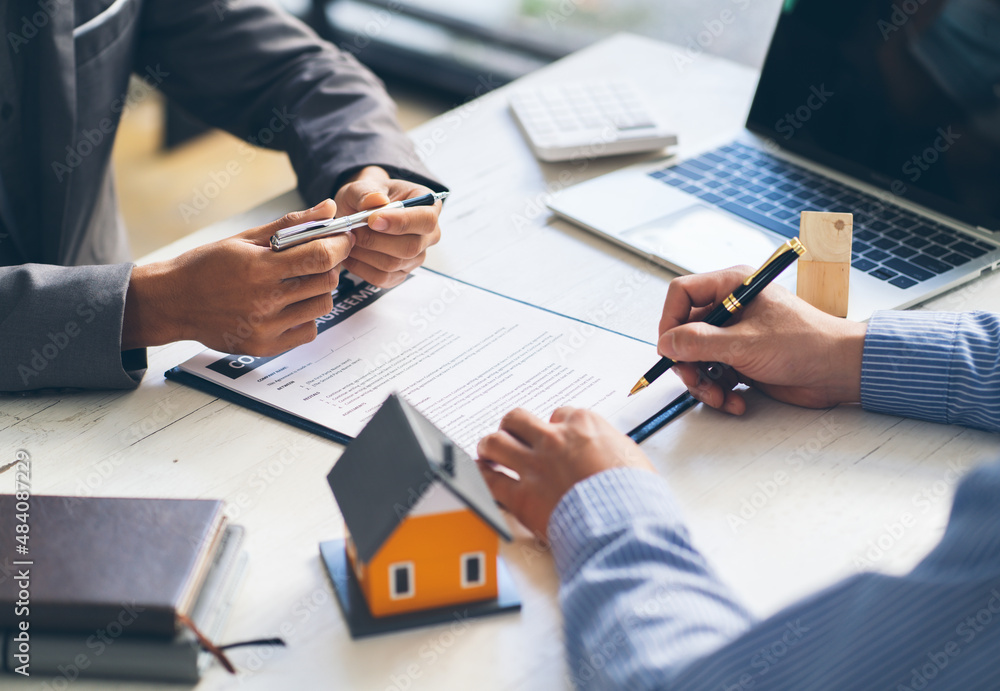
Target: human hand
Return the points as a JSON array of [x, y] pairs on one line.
[[395, 242], [551, 457], [237, 295], [779, 344]]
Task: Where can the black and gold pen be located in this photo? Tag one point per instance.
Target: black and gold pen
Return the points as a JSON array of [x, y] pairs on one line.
[[735, 301]]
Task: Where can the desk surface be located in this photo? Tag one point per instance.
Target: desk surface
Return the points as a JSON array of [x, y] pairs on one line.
[[782, 500]]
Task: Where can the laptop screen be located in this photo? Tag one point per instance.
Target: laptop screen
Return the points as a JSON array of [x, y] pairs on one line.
[[903, 94]]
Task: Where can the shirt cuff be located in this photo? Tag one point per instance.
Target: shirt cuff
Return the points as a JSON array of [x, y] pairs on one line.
[[134, 363], [906, 367], [602, 503], [395, 173]]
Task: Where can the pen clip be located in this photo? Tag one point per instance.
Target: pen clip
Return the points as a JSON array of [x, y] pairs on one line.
[[793, 245], [306, 227]]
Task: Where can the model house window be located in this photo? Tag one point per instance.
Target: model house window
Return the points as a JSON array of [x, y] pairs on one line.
[[473, 569], [401, 580]]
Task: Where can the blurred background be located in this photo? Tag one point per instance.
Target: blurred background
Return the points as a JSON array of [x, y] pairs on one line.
[[433, 55]]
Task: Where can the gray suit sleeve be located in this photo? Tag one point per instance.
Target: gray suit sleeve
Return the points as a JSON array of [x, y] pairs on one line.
[[61, 327], [246, 67]]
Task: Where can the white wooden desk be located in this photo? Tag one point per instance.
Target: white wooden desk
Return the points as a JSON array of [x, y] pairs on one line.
[[819, 490]]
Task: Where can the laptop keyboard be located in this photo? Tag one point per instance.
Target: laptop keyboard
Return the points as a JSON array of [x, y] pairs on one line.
[[890, 243]]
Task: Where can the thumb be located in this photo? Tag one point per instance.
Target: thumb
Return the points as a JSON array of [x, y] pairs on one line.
[[365, 193], [698, 342], [262, 234], [501, 485]]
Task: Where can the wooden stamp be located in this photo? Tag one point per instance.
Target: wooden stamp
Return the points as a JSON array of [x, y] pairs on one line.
[[824, 270]]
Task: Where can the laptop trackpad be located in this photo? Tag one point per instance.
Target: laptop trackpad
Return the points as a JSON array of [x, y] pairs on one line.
[[699, 239]]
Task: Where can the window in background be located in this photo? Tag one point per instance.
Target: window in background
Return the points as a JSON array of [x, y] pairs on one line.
[[468, 48]]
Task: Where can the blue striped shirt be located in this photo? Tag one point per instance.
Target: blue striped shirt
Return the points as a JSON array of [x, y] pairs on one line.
[[644, 610], [938, 366]]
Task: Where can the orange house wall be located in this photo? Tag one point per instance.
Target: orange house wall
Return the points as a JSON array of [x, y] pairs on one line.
[[435, 544]]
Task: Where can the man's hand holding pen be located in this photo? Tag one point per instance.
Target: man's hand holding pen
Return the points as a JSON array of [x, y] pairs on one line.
[[779, 344], [239, 296], [236, 295], [776, 343], [395, 241]]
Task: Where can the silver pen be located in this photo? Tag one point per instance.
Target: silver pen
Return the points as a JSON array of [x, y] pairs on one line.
[[311, 230]]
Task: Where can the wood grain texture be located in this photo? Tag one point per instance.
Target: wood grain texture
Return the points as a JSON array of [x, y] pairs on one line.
[[827, 236], [824, 271], [825, 285]]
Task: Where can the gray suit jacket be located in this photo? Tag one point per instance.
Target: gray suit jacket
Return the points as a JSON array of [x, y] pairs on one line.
[[237, 64]]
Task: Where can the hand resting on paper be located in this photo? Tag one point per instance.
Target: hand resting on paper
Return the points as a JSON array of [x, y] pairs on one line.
[[551, 457]]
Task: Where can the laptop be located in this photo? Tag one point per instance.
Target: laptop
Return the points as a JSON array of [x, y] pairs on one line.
[[860, 108]]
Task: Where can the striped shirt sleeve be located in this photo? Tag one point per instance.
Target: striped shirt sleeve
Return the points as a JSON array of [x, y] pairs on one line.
[[642, 609], [639, 601], [937, 366]]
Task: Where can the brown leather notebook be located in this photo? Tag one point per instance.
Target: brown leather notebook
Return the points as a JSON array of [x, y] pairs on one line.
[[121, 566]]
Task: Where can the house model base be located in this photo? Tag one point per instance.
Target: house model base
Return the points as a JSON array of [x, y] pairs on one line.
[[361, 623]]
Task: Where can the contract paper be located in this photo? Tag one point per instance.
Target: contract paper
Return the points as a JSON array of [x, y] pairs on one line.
[[461, 355]]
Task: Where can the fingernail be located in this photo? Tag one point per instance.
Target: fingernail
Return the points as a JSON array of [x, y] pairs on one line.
[[378, 223], [352, 237], [320, 204], [668, 345]]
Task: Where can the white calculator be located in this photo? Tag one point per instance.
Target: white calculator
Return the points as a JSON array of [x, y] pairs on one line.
[[588, 120]]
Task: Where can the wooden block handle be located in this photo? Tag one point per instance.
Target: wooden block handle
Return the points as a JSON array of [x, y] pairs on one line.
[[824, 270]]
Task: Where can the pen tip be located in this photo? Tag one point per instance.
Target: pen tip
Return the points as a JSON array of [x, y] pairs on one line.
[[639, 386]]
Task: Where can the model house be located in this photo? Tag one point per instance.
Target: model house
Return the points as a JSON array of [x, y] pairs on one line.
[[423, 530]]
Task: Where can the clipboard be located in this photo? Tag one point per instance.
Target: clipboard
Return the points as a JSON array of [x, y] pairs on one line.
[[639, 434], [643, 431]]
